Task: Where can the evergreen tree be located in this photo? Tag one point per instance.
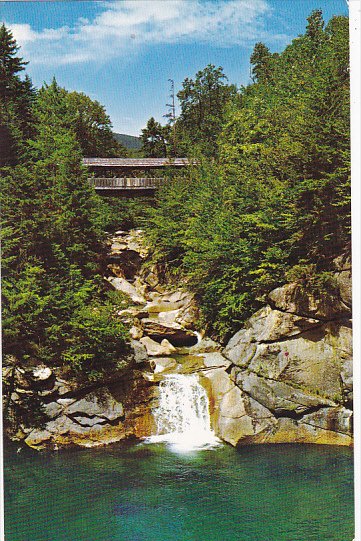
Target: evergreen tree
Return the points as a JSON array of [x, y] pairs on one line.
[[16, 100], [261, 60], [10, 64], [53, 301], [55, 309], [155, 139]]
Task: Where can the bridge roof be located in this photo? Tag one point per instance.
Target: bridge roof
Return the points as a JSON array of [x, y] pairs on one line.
[[134, 163]]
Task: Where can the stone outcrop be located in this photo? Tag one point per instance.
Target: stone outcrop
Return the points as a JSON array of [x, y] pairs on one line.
[[65, 412], [289, 377], [121, 284], [173, 333]]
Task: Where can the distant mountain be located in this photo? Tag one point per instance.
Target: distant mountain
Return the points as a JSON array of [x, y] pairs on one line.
[[129, 141]]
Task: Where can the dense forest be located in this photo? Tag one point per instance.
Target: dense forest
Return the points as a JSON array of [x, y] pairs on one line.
[[270, 201], [267, 202], [55, 309]]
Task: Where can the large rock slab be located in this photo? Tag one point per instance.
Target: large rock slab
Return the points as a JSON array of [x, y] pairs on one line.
[[215, 360], [97, 404], [337, 419], [278, 397], [293, 298], [104, 416], [174, 334], [303, 351], [235, 416], [292, 431], [120, 284], [241, 348], [241, 418]]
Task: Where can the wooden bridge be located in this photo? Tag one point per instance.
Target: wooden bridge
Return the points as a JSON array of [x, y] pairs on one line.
[[121, 184], [107, 185]]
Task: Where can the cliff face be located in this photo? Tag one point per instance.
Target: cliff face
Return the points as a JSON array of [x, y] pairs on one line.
[[289, 373]]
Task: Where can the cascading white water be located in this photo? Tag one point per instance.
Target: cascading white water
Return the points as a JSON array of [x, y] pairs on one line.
[[182, 416]]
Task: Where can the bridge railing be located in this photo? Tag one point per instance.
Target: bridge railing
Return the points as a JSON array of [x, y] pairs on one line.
[[114, 183]]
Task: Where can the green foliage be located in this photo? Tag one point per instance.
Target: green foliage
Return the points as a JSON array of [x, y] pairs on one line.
[[50, 263], [55, 308], [130, 142], [204, 231], [308, 277], [203, 104], [16, 99], [76, 113], [122, 213], [155, 139], [279, 198], [261, 60], [95, 343]]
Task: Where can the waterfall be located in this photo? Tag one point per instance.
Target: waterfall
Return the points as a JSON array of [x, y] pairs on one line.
[[182, 416]]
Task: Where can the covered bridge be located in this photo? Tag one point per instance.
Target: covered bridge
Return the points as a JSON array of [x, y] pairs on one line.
[[123, 176]]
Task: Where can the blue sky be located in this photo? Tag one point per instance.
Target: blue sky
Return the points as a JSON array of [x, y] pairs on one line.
[[123, 53]]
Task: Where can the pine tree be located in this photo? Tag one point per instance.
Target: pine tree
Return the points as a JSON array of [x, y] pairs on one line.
[[16, 99], [155, 139]]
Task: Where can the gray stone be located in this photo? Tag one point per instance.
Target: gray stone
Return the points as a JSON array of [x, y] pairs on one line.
[[204, 345], [241, 418], [346, 376], [293, 298], [139, 351], [169, 318], [280, 398], [37, 437], [53, 409], [175, 334], [269, 360], [269, 325], [215, 360], [136, 332], [155, 349], [66, 401], [333, 419], [163, 364], [241, 348], [120, 284], [219, 383], [99, 403], [157, 306]]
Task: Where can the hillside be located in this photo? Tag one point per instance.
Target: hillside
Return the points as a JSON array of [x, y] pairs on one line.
[[129, 141]]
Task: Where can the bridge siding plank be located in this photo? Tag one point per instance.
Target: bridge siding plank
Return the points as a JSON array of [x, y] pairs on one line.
[[124, 183]]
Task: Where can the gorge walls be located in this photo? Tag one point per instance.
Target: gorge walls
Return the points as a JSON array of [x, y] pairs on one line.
[[285, 377]]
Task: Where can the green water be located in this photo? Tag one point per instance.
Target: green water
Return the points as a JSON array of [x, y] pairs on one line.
[[147, 493]]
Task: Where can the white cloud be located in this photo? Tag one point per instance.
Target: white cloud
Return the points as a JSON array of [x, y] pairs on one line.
[[23, 33], [127, 26]]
